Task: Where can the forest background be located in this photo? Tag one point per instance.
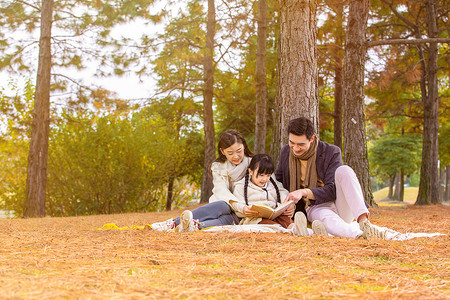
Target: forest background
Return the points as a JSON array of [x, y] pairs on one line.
[[109, 154]]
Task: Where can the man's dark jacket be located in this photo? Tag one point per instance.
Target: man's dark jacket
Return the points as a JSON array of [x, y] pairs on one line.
[[328, 159]]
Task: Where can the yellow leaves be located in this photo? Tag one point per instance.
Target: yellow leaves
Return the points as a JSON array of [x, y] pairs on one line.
[[112, 226]]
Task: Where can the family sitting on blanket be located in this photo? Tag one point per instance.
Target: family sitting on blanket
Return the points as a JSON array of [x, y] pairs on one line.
[[310, 169]]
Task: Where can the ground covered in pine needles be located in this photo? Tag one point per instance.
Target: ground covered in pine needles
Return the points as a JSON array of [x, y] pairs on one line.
[[68, 258]]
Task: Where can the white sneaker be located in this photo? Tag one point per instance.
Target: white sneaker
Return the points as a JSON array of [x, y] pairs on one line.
[[371, 231], [168, 225], [300, 224], [319, 228], [187, 223]]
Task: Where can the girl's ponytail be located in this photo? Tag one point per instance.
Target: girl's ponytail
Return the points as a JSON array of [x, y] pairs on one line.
[[245, 187], [276, 189]]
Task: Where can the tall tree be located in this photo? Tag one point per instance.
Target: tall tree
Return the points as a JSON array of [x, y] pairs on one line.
[[34, 204], [208, 93], [260, 78], [297, 68], [417, 19], [429, 185], [355, 144]]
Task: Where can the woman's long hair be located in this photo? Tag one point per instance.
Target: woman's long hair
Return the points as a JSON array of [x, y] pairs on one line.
[[229, 138]]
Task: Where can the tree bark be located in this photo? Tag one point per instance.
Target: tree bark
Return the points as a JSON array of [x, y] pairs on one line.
[[34, 205], [355, 147], [429, 185], [397, 187], [338, 73], [297, 69], [208, 119], [441, 184], [447, 184], [391, 187], [260, 78], [169, 199]]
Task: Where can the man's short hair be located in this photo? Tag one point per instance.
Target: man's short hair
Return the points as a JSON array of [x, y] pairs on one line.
[[301, 126]]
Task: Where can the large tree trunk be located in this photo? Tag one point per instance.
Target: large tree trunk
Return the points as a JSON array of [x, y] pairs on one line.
[[338, 73], [297, 69], [355, 147], [34, 205], [260, 78], [208, 120], [429, 185]]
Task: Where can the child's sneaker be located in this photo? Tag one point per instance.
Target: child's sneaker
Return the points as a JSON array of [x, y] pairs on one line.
[[168, 225], [187, 223], [300, 224], [371, 231], [319, 228]]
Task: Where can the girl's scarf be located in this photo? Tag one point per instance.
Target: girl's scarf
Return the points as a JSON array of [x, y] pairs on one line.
[[295, 168], [236, 173]]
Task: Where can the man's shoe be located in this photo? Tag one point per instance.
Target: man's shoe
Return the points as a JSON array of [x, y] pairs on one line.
[[371, 231], [300, 224], [319, 228], [167, 225]]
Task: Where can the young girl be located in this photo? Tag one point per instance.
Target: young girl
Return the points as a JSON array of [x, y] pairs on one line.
[[259, 187], [230, 166]]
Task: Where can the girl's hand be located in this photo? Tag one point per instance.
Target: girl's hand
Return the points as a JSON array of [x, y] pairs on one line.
[[250, 213], [289, 211]]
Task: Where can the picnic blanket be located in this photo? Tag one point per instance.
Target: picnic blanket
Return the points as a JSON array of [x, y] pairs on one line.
[[275, 228]]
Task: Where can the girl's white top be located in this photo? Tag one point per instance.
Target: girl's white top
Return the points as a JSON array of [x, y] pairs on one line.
[[257, 195]]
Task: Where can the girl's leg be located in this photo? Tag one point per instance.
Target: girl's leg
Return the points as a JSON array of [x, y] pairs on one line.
[[283, 220], [350, 202], [327, 214]]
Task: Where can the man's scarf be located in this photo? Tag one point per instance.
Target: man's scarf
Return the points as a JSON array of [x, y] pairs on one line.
[[295, 168]]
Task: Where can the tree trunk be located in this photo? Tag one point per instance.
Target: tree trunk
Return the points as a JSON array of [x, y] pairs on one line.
[[429, 185], [397, 187], [34, 205], [208, 119], [338, 78], [401, 195], [355, 147], [338, 74], [391, 187], [297, 69], [169, 199], [441, 184], [447, 184], [260, 78]]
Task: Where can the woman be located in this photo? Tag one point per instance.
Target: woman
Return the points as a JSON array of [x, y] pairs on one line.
[[230, 167]]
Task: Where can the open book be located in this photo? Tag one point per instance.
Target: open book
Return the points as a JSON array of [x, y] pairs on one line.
[[268, 212]]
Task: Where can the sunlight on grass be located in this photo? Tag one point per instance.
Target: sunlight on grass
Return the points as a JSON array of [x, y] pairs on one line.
[[409, 197]]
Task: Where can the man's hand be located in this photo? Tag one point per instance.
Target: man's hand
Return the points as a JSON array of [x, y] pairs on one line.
[[250, 213], [296, 195]]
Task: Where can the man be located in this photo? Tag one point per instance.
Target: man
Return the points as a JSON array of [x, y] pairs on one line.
[[321, 186]]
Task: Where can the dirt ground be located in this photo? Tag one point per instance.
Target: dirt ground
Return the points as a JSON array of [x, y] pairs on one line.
[[68, 258]]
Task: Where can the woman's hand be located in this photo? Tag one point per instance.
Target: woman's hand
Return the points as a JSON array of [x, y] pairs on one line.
[[250, 213]]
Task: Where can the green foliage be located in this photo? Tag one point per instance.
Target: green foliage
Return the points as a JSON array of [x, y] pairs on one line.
[[115, 163], [15, 118], [390, 154]]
